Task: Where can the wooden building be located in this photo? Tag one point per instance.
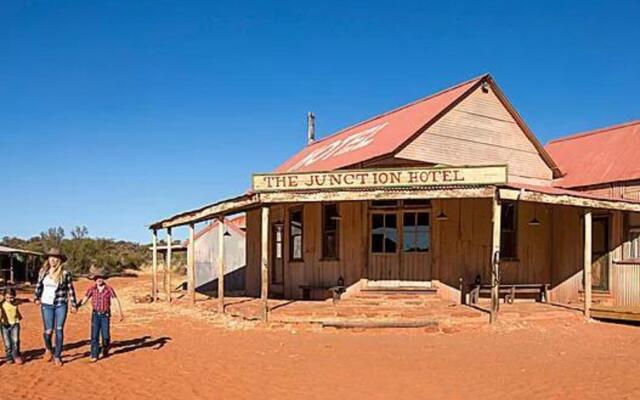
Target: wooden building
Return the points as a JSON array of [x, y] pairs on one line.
[[446, 193], [18, 266], [604, 162]]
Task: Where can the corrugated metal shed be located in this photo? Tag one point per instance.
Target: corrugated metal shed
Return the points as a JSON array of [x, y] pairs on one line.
[[601, 156]]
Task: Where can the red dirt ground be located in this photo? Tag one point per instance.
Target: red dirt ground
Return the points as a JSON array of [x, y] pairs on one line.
[[172, 352]]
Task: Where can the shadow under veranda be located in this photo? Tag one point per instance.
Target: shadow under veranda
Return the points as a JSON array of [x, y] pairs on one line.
[[116, 348]]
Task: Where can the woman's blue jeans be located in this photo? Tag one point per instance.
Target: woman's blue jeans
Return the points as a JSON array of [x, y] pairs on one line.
[[54, 317]]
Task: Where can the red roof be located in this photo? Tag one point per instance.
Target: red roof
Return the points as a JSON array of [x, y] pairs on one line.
[[557, 191], [602, 156], [377, 136]]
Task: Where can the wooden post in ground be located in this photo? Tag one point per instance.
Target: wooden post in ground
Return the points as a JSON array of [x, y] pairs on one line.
[[495, 259], [264, 264], [168, 264], [191, 266], [154, 266], [587, 263], [221, 230]]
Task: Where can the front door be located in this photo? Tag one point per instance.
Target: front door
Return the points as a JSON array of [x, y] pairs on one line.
[[399, 242], [277, 259], [384, 251], [600, 253]]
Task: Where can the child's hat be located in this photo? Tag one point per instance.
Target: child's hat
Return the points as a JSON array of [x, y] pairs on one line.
[[95, 273]]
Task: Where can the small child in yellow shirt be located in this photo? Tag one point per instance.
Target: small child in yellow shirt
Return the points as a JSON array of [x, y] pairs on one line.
[[10, 325]]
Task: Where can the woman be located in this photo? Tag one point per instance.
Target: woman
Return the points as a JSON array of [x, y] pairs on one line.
[[53, 292]]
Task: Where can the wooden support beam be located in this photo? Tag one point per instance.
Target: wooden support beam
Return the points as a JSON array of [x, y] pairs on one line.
[[221, 230], [495, 259], [264, 265], [577, 200], [154, 266], [168, 265], [191, 266], [587, 263], [364, 195]]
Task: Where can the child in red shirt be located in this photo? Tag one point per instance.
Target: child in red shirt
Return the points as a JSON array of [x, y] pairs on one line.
[[100, 294]]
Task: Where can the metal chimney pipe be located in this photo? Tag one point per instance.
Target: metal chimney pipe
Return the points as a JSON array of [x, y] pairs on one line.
[[311, 128]]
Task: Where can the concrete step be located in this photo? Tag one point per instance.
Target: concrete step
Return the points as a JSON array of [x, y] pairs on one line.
[[400, 291]]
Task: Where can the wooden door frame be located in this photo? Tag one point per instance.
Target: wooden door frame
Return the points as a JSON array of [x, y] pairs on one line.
[[399, 211], [274, 243], [398, 253], [607, 217], [428, 210]]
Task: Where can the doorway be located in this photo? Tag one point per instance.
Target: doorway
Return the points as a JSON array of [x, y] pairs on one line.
[[600, 253], [277, 259], [399, 242]]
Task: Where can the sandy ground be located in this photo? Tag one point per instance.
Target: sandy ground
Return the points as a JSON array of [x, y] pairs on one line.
[[170, 352]]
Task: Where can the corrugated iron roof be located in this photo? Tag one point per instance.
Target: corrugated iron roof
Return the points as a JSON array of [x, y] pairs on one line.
[[377, 136], [601, 156], [9, 250], [558, 191], [237, 224]]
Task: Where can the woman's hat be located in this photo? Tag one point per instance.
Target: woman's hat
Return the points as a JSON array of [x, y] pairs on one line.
[[55, 252]]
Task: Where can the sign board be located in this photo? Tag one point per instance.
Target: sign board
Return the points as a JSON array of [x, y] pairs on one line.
[[380, 178]]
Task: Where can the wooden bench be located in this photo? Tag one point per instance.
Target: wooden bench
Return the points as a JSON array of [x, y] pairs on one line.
[[510, 291], [336, 291]]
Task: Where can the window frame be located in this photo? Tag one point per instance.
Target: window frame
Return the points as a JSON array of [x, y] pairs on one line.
[[415, 212], [291, 236], [514, 231], [324, 231], [634, 243], [384, 214]]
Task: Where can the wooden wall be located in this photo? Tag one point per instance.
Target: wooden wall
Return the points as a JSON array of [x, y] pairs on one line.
[[313, 270], [480, 131], [460, 248], [254, 254], [625, 190], [567, 254], [462, 244]]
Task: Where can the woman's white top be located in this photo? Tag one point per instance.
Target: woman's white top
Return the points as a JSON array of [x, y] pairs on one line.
[[49, 291]]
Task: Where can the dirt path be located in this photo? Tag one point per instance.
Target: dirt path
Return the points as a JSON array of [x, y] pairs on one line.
[[162, 353]]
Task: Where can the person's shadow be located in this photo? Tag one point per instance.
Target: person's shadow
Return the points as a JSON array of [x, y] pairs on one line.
[[116, 348]]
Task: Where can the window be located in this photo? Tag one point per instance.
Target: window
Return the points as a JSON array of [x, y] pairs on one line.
[[278, 240], [417, 203], [384, 204], [330, 228], [295, 235], [508, 230], [416, 235], [634, 241], [384, 233]]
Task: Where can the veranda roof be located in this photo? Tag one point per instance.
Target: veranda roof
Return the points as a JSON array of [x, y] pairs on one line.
[[509, 191], [11, 250]]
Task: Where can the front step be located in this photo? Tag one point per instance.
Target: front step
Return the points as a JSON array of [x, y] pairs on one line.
[[601, 297], [385, 290]]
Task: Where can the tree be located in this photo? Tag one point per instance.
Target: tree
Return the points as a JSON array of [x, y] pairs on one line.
[[52, 237], [80, 232]]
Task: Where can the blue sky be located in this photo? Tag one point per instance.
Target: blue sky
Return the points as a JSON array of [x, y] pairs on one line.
[[115, 114]]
